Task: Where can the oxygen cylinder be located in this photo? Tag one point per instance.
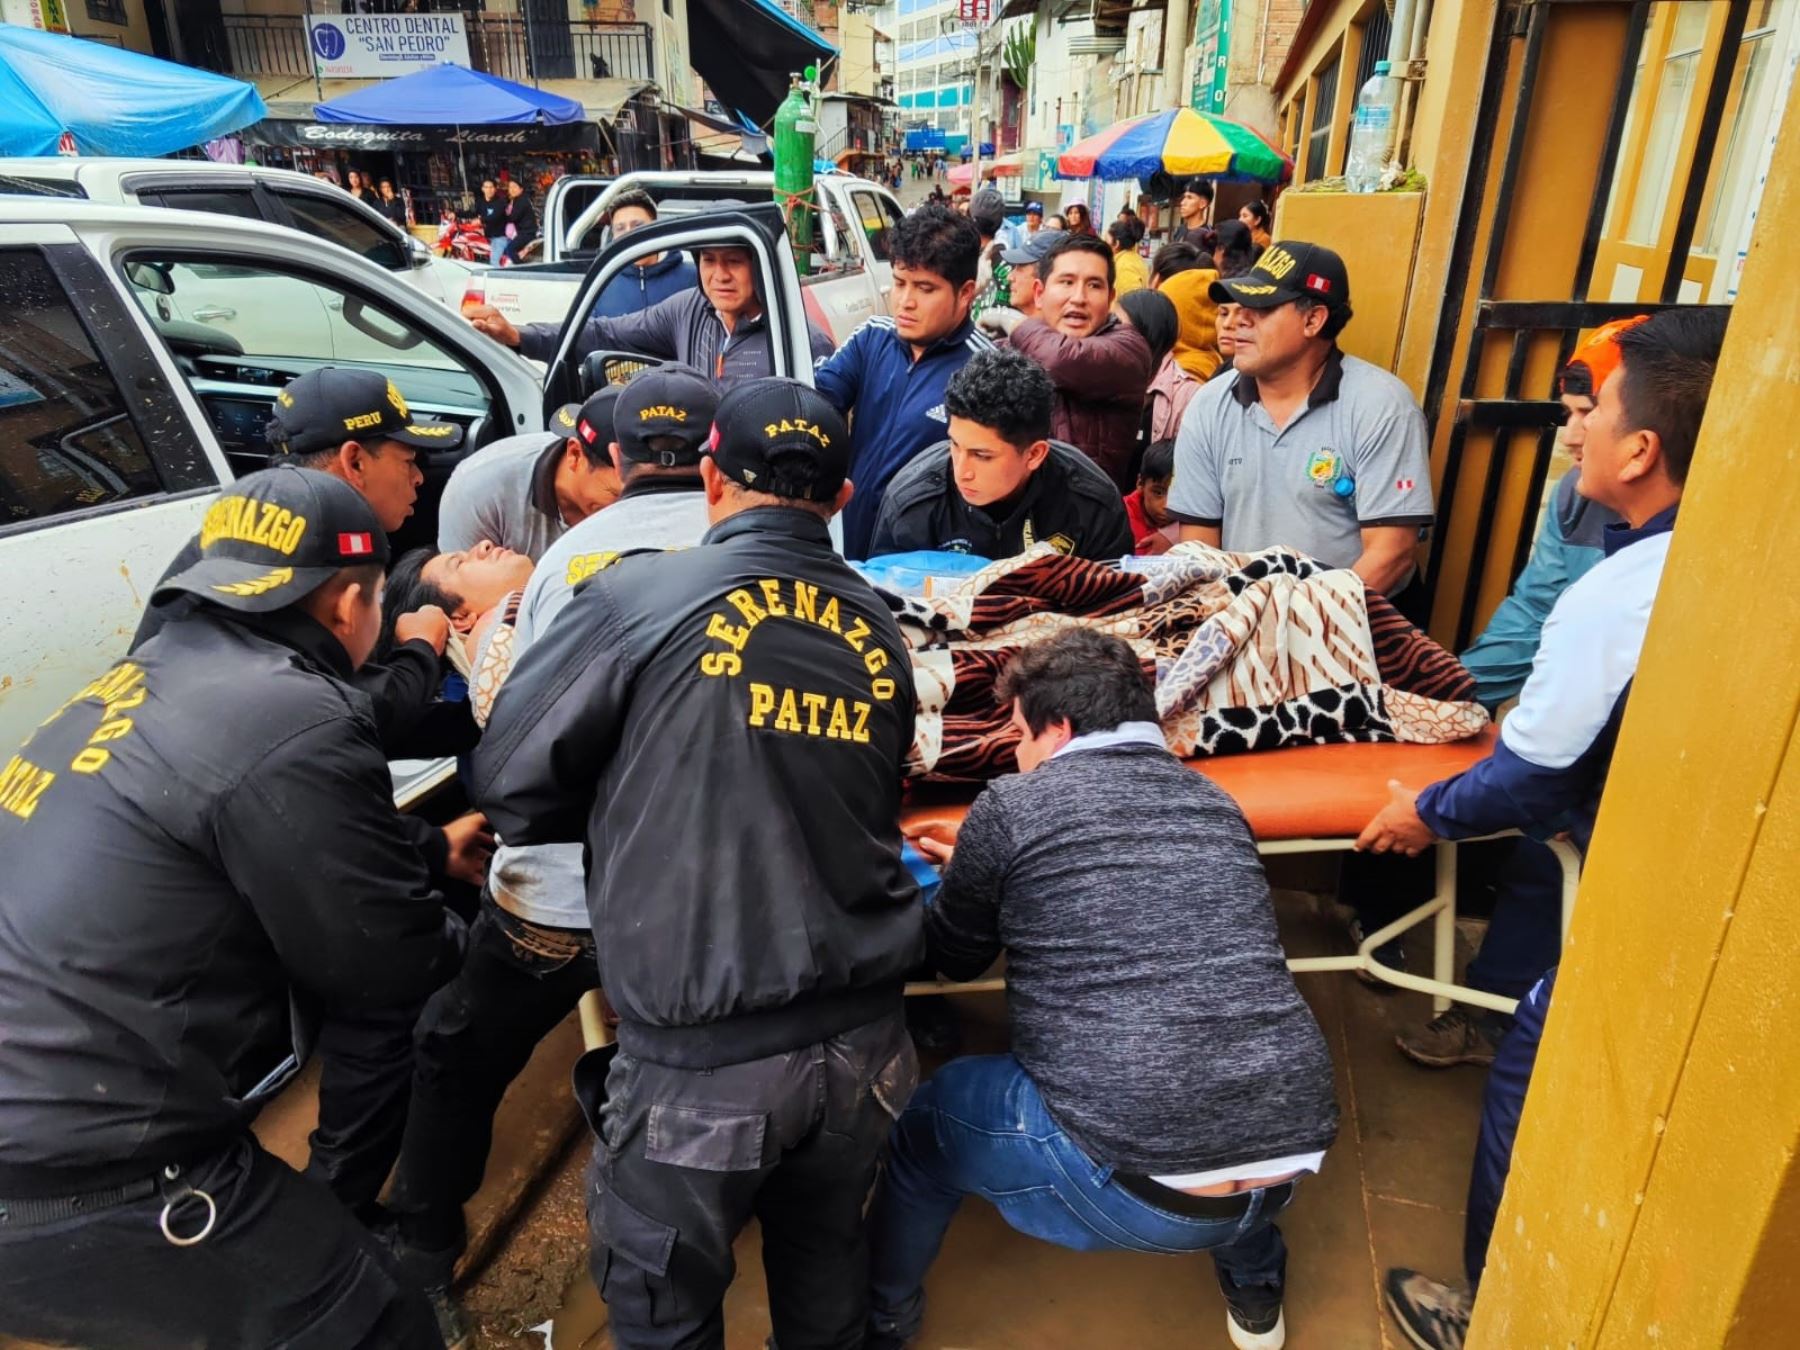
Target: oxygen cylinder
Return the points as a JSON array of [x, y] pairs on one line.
[[795, 129]]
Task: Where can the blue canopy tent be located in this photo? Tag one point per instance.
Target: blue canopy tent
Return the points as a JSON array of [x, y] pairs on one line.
[[110, 101], [452, 96]]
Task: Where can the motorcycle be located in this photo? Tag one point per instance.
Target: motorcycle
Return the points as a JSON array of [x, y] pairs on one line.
[[463, 240]]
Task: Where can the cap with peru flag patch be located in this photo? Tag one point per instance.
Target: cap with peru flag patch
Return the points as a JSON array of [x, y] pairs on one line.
[[275, 537], [594, 420], [1288, 271]]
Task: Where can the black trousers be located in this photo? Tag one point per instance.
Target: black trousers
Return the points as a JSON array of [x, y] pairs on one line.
[[518, 981], [365, 1078], [687, 1157], [284, 1265]]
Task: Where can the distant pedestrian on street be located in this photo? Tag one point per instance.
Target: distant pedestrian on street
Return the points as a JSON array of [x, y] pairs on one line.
[[521, 220]]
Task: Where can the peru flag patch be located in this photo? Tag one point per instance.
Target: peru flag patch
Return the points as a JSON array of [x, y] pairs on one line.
[[355, 545], [1404, 484]]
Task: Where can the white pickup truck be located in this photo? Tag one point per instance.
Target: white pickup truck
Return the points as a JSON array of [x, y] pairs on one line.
[[850, 280], [120, 418]]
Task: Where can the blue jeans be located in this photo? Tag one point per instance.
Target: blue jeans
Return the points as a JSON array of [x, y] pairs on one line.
[[979, 1127], [496, 247]]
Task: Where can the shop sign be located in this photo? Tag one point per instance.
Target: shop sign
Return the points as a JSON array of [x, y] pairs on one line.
[[376, 46], [47, 16], [974, 12], [523, 137], [1212, 57]]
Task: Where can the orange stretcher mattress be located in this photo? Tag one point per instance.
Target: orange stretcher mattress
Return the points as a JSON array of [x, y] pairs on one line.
[[1307, 792]]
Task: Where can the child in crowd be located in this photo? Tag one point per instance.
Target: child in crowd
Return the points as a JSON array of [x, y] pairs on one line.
[[1152, 527]]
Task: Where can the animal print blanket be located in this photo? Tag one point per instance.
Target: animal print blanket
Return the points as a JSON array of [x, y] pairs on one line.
[[1249, 652]]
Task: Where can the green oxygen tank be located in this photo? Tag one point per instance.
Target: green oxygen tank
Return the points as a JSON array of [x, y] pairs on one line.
[[796, 127]]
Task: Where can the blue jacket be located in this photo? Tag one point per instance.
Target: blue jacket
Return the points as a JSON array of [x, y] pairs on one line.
[[641, 287], [899, 407], [1550, 763], [1569, 545]]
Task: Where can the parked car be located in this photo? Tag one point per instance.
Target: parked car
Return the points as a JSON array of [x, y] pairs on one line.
[[250, 192], [850, 280], [121, 414]]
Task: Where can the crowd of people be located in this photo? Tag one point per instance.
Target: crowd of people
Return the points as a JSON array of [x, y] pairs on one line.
[[682, 714]]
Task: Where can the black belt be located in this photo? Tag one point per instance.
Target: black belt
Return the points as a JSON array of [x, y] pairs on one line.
[[1230, 1206], [31, 1213]]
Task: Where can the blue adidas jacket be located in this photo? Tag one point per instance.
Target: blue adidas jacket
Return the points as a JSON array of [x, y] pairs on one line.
[[1550, 763], [641, 287], [899, 407]]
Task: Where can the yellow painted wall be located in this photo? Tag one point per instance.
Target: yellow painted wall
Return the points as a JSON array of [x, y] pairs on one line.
[[1375, 233], [1540, 228], [1653, 1192]]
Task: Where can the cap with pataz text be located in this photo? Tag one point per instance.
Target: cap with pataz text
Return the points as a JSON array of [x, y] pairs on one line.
[[334, 404], [673, 405], [276, 536], [1287, 272], [782, 437]]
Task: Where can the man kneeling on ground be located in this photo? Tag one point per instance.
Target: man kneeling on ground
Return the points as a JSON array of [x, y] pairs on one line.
[[1000, 485], [1167, 1099]]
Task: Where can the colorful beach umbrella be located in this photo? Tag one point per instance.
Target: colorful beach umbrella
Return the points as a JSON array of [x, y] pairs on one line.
[[1180, 142]]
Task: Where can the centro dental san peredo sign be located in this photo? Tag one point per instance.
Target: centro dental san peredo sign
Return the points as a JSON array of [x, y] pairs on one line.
[[377, 46]]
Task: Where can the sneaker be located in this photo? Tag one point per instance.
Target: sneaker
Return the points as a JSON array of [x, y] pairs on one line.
[[1434, 1316], [1389, 953], [1459, 1036], [1256, 1330]]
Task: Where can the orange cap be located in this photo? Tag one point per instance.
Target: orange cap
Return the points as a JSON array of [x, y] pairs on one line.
[[1595, 359]]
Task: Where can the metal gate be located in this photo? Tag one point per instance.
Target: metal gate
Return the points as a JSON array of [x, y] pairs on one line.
[[1521, 421]]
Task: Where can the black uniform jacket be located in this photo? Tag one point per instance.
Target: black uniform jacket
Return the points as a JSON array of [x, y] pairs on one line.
[[1068, 502], [726, 727], [200, 842]]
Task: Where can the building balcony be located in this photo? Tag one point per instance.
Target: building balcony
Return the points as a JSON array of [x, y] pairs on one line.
[[499, 44]]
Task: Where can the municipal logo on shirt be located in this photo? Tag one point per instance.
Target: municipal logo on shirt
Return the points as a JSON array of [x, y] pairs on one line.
[[1323, 467], [938, 414]]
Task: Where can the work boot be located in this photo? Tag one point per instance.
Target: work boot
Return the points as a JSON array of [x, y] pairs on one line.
[[1433, 1315], [1459, 1036], [1253, 1317]]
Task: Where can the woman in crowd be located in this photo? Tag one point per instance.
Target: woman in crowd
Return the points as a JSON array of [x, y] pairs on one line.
[[1154, 316], [358, 187], [1193, 358], [1255, 216], [1236, 251], [1079, 222]]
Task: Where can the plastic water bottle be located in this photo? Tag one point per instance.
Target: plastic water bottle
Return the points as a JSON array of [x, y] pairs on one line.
[[1372, 132]]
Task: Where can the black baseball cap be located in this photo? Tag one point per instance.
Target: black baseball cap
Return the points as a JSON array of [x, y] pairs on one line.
[[1200, 187], [776, 426], [671, 400], [564, 420], [594, 419], [1035, 249], [1286, 272], [334, 404], [276, 536]]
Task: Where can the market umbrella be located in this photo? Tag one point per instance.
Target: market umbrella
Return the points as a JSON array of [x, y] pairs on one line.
[[451, 96], [1181, 142], [108, 100]]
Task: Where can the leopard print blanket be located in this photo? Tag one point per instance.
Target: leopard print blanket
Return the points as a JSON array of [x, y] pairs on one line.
[[1248, 651]]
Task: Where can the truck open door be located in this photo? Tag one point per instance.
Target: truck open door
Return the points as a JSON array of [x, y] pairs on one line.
[[575, 372]]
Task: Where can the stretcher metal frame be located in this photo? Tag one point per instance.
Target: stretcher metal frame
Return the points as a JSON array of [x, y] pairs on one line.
[[1440, 910]]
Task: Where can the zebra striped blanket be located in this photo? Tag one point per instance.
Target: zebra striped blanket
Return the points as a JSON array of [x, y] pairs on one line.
[[1249, 652]]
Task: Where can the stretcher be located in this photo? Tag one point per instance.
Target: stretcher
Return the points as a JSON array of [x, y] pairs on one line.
[[1317, 799]]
